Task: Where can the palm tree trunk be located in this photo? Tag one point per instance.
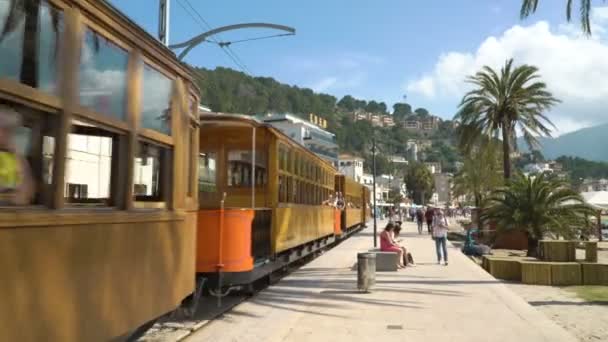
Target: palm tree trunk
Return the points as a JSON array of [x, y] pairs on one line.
[[29, 66], [532, 246], [506, 151]]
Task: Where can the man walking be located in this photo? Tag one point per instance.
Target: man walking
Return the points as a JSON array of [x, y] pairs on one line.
[[420, 219], [429, 219]]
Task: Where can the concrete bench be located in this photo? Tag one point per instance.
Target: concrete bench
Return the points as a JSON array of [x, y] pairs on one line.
[[385, 261]]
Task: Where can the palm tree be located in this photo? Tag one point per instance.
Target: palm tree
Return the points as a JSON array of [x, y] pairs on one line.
[[503, 102], [480, 174], [528, 7], [537, 206]]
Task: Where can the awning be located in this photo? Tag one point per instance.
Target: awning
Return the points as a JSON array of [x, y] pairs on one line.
[[596, 199]]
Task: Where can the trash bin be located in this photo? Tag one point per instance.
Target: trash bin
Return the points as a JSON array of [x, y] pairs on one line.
[[366, 271]]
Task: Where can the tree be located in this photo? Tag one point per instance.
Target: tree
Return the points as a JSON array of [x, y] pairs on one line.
[[347, 103], [480, 174], [28, 12], [419, 182], [422, 112], [401, 110], [528, 7], [500, 103], [538, 207], [375, 107]]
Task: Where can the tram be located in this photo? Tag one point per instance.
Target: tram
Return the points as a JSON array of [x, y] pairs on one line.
[[261, 201], [109, 134], [132, 195]]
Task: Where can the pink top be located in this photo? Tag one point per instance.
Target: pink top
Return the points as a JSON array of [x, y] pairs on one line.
[[386, 243]]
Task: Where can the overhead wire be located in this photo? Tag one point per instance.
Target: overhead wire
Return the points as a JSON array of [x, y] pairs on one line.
[[206, 26]]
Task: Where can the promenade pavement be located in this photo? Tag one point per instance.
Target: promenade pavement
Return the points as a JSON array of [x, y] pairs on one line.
[[430, 302]]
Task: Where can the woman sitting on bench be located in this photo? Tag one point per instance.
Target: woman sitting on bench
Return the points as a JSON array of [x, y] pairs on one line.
[[388, 244], [408, 259]]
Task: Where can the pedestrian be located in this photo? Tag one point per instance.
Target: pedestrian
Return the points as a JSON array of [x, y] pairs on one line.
[[387, 244], [429, 219], [16, 184], [420, 219], [440, 234]]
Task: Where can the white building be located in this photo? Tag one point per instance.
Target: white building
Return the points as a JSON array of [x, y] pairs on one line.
[[443, 187], [399, 160], [351, 166], [313, 137]]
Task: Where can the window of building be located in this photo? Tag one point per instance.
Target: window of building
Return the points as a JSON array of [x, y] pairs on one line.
[[207, 172], [103, 76], [240, 170], [156, 101], [150, 174], [39, 71], [88, 170]]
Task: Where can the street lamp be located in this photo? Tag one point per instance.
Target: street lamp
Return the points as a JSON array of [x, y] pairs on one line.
[[374, 187]]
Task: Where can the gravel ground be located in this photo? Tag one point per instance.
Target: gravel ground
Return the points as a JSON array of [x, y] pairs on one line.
[[587, 321]]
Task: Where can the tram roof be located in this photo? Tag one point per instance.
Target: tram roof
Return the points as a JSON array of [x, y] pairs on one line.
[[250, 121]]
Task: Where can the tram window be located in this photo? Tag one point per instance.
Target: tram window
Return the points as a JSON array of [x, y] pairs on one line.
[[38, 71], [191, 142], [149, 173], [282, 158], [103, 76], [282, 189], [240, 171], [156, 101], [207, 176], [88, 165]]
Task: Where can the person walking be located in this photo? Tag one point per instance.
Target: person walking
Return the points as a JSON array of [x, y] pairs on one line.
[[420, 219], [429, 219], [440, 235]]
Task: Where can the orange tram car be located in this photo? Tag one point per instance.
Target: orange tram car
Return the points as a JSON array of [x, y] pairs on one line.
[[261, 200], [135, 195]]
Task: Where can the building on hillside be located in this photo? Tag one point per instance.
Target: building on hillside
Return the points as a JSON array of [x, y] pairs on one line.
[[434, 167], [376, 120], [412, 150], [318, 140], [398, 160], [443, 187], [594, 185], [421, 125], [351, 166], [387, 121]]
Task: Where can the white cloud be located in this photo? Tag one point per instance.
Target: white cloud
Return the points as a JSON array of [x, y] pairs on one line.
[[333, 72], [574, 67]]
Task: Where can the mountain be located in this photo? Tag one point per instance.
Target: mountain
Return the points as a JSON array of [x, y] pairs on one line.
[[587, 143]]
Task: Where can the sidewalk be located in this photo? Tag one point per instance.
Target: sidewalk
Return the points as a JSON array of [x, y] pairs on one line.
[[319, 302]]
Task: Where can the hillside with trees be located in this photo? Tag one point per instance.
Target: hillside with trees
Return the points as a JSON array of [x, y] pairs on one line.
[[230, 91]]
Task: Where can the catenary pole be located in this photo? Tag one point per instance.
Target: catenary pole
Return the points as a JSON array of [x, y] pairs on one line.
[[374, 186]]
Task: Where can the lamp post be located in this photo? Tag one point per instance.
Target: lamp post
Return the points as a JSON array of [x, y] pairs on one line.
[[374, 187]]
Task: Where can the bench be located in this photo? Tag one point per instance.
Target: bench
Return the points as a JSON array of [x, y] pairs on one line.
[[385, 261]]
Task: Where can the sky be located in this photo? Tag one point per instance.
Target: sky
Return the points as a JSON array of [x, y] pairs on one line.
[[386, 49]]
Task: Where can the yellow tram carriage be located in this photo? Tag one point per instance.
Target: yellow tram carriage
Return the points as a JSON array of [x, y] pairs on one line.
[[110, 132], [260, 198]]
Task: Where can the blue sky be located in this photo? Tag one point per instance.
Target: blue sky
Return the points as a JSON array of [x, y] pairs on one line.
[[377, 50]]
